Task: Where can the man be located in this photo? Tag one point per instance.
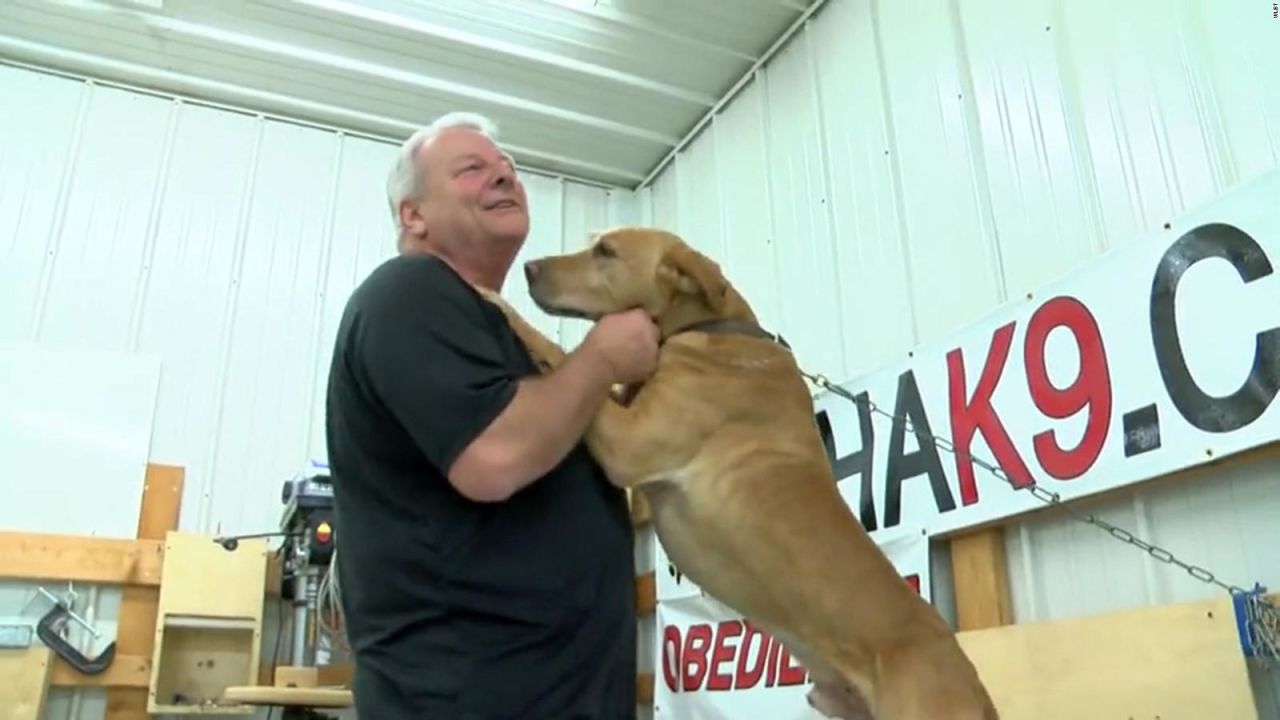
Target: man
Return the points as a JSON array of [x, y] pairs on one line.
[[486, 564]]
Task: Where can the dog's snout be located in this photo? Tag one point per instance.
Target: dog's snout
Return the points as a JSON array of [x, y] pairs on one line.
[[531, 270]]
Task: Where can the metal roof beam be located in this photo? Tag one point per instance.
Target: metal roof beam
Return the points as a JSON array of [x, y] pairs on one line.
[[255, 43], [238, 98], [512, 50], [635, 22], [756, 67]]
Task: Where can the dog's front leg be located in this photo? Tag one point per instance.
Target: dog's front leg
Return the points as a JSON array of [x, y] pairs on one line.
[[546, 354], [632, 448]]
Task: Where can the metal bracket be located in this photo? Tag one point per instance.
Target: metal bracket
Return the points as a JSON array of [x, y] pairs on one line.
[[1256, 624]]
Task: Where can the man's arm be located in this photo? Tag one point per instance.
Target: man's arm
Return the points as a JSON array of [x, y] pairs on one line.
[[429, 354], [537, 429]]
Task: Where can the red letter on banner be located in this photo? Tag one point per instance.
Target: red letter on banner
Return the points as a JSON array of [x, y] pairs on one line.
[[1091, 387], [978, 414], [671, 657], [914, 581], [694, 661], [721, 654], [745, 678], [788, 672]]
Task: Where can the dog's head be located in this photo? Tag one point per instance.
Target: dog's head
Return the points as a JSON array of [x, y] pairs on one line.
[[629, 268]]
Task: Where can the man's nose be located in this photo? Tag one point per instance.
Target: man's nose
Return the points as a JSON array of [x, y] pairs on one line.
[[531, 270], [503, 176]]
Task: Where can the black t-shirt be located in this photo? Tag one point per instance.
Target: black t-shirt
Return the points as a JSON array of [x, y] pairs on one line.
[[458, 609]]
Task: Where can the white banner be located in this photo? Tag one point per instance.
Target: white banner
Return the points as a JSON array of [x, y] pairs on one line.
[[1162, 354], [712, 664]]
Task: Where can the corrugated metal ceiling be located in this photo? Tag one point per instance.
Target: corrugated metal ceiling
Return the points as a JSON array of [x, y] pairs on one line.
[[601, 90]]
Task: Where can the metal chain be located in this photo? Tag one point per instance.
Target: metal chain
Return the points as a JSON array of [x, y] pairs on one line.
[[1052, 498]]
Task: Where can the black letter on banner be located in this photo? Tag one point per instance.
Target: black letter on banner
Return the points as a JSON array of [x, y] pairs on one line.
[[924, 460], [857, 463], [1250, 400]]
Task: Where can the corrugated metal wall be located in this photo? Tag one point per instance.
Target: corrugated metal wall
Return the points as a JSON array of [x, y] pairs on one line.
[[225, 243], [901, 168]]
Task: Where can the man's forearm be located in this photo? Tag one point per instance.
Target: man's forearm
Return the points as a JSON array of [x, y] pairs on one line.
[[539, 427]]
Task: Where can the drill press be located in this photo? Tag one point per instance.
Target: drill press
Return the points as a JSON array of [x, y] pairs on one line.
[[307, 523], [307, 557]]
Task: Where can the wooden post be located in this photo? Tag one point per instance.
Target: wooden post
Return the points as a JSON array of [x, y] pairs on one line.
[[135, 633], [981, 580]]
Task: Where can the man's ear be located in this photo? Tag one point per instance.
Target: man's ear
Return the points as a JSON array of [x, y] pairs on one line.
[[695, 274], [411, 218]]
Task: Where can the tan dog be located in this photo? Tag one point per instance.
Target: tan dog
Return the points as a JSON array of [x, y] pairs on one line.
[[722, 443]]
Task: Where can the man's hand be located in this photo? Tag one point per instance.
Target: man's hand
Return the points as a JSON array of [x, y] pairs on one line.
[[628, 344], [549, 413]]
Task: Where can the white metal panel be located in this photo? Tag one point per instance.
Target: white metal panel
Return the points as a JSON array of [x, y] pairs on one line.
[[225, 244], [585, 211], [868, 218], [1037, 167], [955, 264], [741, 197], [971, 152], [34, 176]]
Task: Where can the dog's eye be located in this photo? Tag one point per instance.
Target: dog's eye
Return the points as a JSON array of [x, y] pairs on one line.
[[603, 251]]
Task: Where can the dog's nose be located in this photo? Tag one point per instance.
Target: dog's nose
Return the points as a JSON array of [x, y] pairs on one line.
[[531, 270]]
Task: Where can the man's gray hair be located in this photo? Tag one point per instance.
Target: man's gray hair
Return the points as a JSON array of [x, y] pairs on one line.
[[405, 180]]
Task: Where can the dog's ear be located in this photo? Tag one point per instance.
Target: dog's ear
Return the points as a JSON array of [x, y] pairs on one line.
[[695, 274]]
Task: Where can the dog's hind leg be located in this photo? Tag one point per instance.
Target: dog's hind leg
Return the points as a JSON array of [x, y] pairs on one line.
[[931, 680], [832, 695]]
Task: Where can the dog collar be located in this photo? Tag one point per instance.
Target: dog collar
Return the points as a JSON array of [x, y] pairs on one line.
[[733, 325]]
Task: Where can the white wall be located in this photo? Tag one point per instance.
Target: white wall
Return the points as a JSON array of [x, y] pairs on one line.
[[225, 244], [902, 168]]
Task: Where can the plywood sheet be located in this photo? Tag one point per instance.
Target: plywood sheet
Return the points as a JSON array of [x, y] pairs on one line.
[[201, 578], [39, 556], [1175, 662], [26, 682]]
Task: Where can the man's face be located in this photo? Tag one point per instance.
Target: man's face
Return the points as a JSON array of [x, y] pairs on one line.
[[471, 192]]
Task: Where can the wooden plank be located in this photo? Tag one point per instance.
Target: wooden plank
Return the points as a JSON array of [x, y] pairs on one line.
[[26, 682], [161, 501], [644, 688], [1174, 662], [334, 675], [290, 696], [130, 672], [646, 594], [640, 515], [981, 580], [47, 557], [136, 631]]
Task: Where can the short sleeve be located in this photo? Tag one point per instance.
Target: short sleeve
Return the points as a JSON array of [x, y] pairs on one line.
[[432, 357]]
